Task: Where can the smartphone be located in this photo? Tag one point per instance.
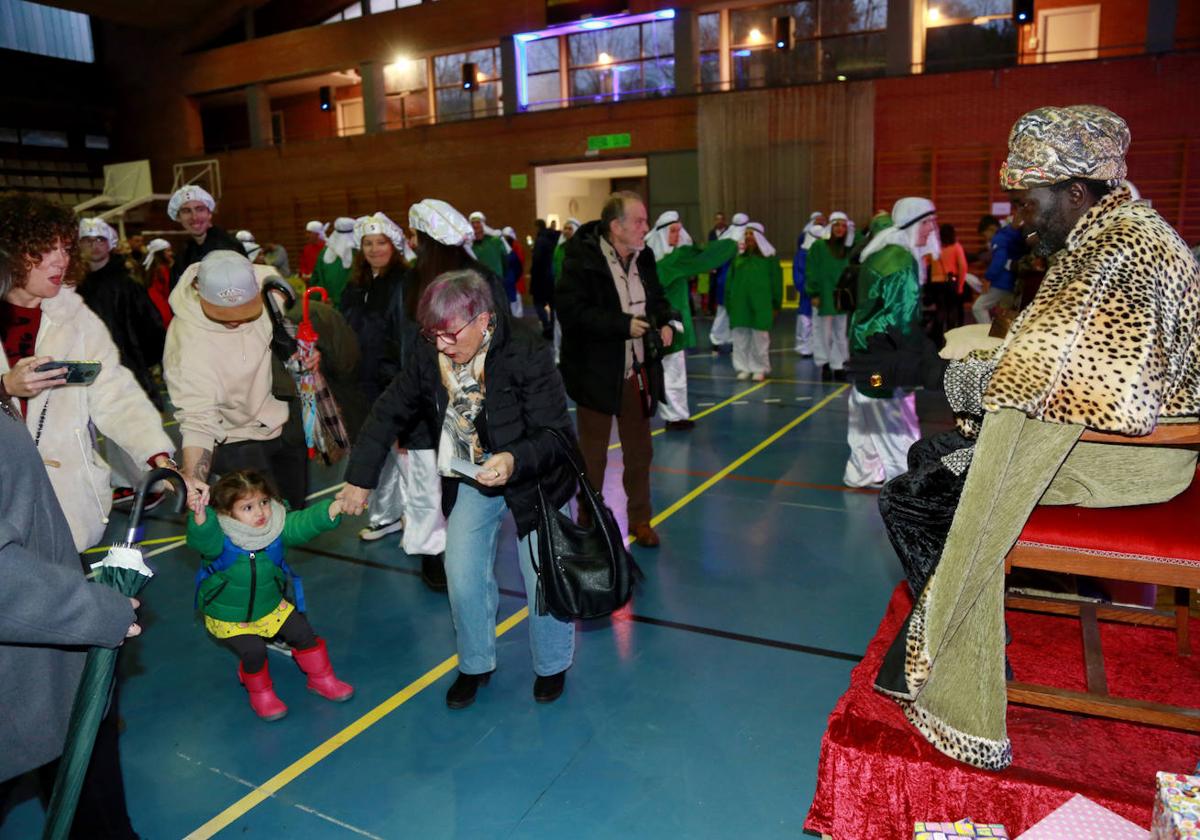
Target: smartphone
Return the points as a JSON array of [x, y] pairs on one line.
[[78, 373]]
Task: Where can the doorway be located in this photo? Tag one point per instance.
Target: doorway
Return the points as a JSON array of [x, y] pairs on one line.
[[578, 190], [1069, 34]]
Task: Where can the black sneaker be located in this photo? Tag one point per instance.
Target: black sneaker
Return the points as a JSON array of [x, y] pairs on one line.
[[433, 571], [548, 689], [826, 373], [462, 692], [680, 425]]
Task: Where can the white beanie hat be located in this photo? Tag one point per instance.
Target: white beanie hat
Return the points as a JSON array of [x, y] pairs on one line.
[[189, 193], [99, 229]]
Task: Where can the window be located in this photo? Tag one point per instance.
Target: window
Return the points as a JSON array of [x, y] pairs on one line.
[[377, 7], [95, 141], [452, 100], [832, 39], [623, 62], [406, 86], [42, 137], [34, 28], [351, 119], [710, 51], [543, 75]]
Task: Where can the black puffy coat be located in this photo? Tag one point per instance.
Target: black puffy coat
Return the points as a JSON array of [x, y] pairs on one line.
[[541, 267], [217, 239], [376, 314], [132, 319], [523, 395], [594, 329]]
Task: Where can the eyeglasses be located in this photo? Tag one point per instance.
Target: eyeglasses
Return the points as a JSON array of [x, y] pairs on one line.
[[432, 336]]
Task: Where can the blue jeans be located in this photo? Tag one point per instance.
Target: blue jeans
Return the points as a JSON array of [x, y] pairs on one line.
[[472, 534]]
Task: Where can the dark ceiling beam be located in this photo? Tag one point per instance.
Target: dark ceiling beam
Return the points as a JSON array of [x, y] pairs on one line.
[[277, 16]]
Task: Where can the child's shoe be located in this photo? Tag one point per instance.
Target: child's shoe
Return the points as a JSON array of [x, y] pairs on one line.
[[262, 693], [314, 662]]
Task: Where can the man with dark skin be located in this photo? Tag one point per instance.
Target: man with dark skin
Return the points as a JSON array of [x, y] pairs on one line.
[[1045, 215]]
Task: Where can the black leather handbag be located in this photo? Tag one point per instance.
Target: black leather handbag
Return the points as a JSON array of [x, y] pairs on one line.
[[583, 571]]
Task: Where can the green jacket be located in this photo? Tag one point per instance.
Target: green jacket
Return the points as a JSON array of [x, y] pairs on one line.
[[330, 276], [889, 295], [253, 585], [490, 252], [822, 270], [675, 271], [560, 253], [753, 291]]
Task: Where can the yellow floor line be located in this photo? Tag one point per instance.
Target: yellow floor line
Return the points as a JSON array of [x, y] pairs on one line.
[[157, 541], [277, 782], [709, 411]]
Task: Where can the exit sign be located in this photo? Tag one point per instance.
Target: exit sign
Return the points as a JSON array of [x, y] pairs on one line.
[[609, 141]]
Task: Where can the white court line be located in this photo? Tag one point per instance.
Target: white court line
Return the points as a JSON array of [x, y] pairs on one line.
[[812, 507], [773, 400], [741, 402], [705, 404], [297, 805]]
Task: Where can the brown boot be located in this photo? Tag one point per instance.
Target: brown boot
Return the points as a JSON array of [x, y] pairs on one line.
[[645, 536]]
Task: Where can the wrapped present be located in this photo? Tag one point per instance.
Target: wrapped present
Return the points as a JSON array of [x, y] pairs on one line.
[[962, 828], [1177, 807], [1079, 818]]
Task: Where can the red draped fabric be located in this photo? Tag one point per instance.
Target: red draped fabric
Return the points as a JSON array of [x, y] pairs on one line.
[[877, 775]]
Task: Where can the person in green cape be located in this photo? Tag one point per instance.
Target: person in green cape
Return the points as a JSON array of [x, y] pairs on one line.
[[489, 246], [678, 261], [827, 259], [753, 294], [560, 250], [332, 271]]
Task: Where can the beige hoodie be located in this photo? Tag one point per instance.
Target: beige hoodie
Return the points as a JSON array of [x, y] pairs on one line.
[[220, 379]]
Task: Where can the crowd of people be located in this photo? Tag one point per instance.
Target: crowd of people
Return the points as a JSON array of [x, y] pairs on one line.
[[454, 400]]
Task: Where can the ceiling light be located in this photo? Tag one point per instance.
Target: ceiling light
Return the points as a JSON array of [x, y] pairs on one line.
[[604, 58], [756, 37], [934, 14]]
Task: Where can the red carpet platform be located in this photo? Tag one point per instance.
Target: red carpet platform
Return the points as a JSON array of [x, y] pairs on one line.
[[878, 776]]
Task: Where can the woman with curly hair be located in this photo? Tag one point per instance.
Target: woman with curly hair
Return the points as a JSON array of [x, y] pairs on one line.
[[43, 320]]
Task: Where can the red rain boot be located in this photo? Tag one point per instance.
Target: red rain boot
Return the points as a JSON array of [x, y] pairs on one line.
[[314, 662], [262, 693]]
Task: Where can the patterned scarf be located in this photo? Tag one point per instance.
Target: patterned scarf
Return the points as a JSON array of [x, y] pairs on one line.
[[465, 386]]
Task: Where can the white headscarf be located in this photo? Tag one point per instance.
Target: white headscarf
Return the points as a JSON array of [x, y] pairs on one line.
[[99, 229], [573, 222], [437, 219], [737, 227], [906, 217], [837, 216], [379, 223], [253, 249], [813, 231], [244, 236], [657, 242], [189, 193], [756, 230], [318, 228], [488, 231], [153, 248], [341, 243]]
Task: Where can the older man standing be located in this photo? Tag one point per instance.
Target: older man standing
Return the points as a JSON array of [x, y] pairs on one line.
[[1115, 261], [615, 324]]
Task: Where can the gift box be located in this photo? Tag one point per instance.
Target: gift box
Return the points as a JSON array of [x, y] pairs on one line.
[[1176, 807], [962, 828], [1079, 818]]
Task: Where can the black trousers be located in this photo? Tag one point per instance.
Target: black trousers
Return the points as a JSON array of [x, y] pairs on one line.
[[101, 813], [284, 460], [252, 650]]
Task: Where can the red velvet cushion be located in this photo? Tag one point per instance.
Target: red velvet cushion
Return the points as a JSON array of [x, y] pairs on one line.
[[1167, 530]]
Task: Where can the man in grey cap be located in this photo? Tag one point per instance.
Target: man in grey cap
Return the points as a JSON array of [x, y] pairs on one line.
[[217, 365]]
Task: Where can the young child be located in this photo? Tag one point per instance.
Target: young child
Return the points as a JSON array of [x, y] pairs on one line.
[[241, 588]]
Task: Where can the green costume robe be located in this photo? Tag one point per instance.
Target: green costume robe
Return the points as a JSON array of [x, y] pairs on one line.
[[822, 269], [560, 253], [753, 291], [332, 277], [674, 272], [490, 252], [889, 297]]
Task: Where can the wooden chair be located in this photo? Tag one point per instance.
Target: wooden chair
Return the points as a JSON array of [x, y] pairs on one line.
[[1147, 544]]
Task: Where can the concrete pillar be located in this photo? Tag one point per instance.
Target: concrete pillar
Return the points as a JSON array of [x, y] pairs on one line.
[[374, 96], [900, 58], [258, 110], [509, 83], [687, 52], [1160, 25]]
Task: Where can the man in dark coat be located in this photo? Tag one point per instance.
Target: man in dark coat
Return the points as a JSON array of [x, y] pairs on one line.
[[123, 305], [541, 277], [615, 325], [193, 208]]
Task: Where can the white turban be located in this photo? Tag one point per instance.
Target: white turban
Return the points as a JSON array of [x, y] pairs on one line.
[[813, 231], [508, 233], [839, 216], [906, 218], [253, 249], [316, 227], [153, 248], [657, 240], [99, 229], [189, 193], [441, 222], [341, 243], [573, 222], [756, 230], [737, 227], [244, 236], [378, 223], [478, 216]]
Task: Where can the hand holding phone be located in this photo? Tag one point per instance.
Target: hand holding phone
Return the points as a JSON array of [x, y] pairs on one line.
[[32, 375], [74, 373]]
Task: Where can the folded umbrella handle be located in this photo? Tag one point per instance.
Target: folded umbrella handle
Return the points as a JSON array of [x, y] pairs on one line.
[[139, 500]]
